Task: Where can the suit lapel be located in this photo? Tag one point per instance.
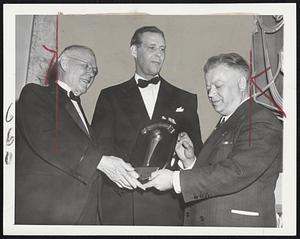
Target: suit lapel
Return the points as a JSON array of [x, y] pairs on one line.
[[164, 99], [217, 135], [67, 104], [74, 114], [134, 104]]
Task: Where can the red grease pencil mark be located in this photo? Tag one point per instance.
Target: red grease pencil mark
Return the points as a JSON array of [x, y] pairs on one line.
[[56, 137], [51, 63], [54, 57], [253, 81], [250, 101]]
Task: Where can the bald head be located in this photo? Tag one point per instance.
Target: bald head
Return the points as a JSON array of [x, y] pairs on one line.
[[77, 68], [79, 52]]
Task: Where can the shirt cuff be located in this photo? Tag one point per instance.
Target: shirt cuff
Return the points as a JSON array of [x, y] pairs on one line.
[[180, 164], [176, 182]]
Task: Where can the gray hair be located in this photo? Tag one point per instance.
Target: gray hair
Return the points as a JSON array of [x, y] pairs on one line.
[[68, 50], [232, 60]]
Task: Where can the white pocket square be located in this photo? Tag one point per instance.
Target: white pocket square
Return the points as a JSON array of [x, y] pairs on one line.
[[227, 142], [246, 213], [179, 109]]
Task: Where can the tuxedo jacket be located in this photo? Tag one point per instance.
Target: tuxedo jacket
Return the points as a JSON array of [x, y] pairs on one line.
[[55, 175], [233, 180], [119, 116]]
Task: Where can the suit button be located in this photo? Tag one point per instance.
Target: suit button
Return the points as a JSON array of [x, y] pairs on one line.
[[187, 214]]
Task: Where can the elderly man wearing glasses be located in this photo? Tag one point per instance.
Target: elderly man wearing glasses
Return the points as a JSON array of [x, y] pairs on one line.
[[56, 177]]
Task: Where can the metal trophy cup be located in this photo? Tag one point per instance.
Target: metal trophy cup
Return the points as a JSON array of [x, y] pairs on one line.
[[154, 149]]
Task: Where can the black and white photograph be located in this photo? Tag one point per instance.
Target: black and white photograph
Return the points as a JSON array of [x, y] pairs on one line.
[[149, 119]]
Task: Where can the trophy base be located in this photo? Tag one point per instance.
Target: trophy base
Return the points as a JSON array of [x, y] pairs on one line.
[[145, 173]]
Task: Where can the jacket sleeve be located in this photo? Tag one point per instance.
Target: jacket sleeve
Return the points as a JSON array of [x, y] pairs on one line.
[[103, 124], [39, 123], [246, 162]]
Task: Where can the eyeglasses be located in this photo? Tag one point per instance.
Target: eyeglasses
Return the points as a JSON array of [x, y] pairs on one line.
[[88, 67]]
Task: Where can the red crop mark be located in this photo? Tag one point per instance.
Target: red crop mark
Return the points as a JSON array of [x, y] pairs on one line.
[[56, 138], [54, 57], [51, 63], [253, 81], [250, 101]]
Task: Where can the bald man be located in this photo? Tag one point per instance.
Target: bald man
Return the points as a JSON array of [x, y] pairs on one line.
[[56, 153]]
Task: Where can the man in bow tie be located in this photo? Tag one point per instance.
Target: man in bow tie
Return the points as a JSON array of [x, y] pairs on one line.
[[122, 111], [232, 181], [57, 158]]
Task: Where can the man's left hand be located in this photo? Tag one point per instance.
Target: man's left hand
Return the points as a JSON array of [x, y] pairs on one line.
[[162, 180]]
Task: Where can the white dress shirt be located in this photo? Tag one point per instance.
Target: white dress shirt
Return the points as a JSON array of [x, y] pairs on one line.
[[149, 95], [68, 89], [176, 176]]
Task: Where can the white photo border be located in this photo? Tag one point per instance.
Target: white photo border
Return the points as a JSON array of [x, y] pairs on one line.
[[289, 208]]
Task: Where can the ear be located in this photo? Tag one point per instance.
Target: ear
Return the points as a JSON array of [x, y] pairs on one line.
[[133, 49], [242, 83], [64, 63]]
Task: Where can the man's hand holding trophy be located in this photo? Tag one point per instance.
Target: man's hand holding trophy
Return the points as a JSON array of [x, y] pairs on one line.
[[163, 179]]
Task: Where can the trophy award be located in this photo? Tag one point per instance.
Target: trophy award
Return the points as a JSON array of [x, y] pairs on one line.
[[154, 148]]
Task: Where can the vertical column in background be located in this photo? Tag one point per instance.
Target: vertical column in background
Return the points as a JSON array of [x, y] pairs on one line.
[[23, 39], [43, 34]]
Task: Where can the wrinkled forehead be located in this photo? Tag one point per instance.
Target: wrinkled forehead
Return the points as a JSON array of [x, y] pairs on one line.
[[83, 54]]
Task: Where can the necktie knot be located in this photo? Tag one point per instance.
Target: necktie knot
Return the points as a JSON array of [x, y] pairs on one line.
[[74, 97], [221, 121], [144, 83]]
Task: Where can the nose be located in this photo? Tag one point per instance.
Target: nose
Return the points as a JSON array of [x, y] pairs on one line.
[[211, 92], [160, 52], [91, 73]]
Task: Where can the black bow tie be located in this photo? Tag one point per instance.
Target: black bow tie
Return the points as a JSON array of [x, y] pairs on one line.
[[74, 97], [144, 83]]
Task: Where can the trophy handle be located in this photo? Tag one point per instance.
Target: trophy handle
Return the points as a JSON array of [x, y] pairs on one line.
[[152, 127], [155, 138]]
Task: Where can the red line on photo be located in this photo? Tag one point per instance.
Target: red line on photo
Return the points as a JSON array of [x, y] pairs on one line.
[[51, 63], [250, 100], [56, 138], [54, 57], [253, 81]]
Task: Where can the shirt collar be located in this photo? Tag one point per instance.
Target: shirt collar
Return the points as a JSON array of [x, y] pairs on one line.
[[226, 117], [64, 86]]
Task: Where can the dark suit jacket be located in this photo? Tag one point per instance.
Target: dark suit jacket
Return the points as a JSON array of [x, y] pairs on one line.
[[119, 115], [56, 160], [237, 169]]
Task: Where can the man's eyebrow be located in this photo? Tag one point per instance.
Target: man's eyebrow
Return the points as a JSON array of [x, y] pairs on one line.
[[152, 44]]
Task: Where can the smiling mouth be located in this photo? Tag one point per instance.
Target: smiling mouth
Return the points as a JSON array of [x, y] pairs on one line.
[[216, 102], [156, 62], [85, 81]]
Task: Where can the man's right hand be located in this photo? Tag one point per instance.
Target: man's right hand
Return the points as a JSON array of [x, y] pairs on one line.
[[119, 172], [185, 149]]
